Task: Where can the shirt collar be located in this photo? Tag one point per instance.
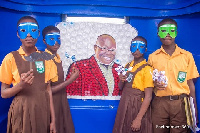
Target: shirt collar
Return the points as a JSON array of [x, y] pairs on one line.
[[177, 51], [139, 64], [22, 52]]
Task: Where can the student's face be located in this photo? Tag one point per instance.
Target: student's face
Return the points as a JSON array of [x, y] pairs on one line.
[[52, 41], [168, 40], [105, 50], [137, 54], [27, 40]]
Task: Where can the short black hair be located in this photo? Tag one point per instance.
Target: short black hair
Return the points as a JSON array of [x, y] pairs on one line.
[[167, 20], [27, 17], [48, 29], [140, 37]]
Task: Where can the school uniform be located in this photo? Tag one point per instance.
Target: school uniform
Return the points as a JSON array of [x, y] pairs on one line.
[[132, 98], [30, 109], [64, 123], [168, 108]]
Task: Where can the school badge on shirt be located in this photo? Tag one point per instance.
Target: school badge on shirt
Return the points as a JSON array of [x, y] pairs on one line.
[[129, 79], [181, 76], [39, 66]]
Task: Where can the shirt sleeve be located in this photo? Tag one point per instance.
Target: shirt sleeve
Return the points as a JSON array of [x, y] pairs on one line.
[[51, 71], [192, 69], [6, 69], [148, 79]]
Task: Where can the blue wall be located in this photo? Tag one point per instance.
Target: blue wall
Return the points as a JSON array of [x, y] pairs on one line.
[[98, 116]]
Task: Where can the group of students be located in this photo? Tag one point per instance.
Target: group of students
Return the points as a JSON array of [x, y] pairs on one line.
[[166, 113], [40, 104]]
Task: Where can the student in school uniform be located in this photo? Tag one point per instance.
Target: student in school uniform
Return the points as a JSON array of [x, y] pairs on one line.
[[134, 111], [31, 110], [168, 106], [64, 123]]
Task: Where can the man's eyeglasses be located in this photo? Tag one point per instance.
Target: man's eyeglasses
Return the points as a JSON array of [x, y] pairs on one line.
[[105, 49]]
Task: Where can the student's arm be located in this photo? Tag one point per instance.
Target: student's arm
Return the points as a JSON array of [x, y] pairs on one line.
[[53, 118], [26, 79], [136, 124], [193, 95], [73, 76], [122, 80], [121, 85]]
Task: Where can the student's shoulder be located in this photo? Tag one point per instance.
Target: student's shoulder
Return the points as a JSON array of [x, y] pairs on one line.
[[9, 56], [128, 64], [147, 69], [155, 52], [148, 66], [153, 55], [185, 52]]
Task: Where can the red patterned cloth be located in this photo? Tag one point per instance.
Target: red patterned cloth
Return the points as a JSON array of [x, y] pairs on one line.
[[91, 81]]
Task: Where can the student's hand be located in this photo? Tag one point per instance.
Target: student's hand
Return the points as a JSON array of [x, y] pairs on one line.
[[26, 79], [53, 127], [158, 85], [122, 77], [74, 73], [136, 124]]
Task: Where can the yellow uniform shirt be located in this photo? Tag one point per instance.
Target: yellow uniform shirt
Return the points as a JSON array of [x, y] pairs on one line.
[[143, 79], [9, 73], [178, 68], [56, 58]]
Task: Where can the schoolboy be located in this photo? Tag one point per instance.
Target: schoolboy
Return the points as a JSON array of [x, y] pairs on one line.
[[168, 107], [64, 123], [31, 110]]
